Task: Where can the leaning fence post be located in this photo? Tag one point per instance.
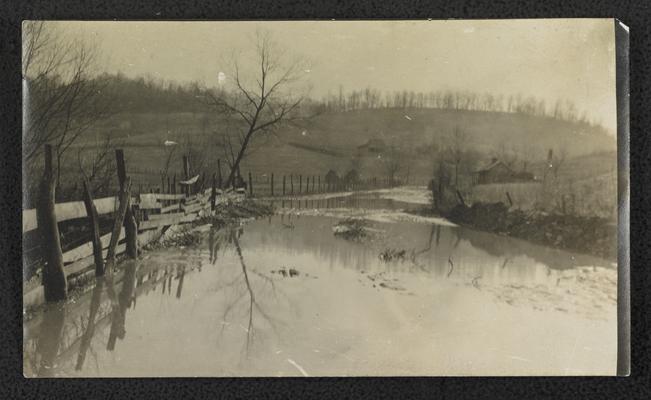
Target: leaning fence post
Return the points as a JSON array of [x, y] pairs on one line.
[[130, 227], [93, 222], [463, 203], [117, 224], [54, 279], [508, 196]]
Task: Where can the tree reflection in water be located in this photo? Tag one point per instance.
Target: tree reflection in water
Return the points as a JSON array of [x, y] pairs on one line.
[[90, 326], [49, 339], [242, 285], [62, 340], [120, 304]]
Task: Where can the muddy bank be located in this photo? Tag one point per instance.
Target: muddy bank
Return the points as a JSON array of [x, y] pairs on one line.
[[591, 235]]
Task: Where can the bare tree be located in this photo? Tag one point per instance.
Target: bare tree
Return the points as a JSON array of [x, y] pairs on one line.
[[96, 165], [261, 100], [528, 155], [392, 163], [506, 154], [197, 153], [62, 99], [168, 152], [456, 150]]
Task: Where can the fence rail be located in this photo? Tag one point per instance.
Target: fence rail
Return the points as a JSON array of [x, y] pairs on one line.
[[138, 220]]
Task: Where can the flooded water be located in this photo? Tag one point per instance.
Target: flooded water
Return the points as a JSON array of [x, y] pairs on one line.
[[283, 296]]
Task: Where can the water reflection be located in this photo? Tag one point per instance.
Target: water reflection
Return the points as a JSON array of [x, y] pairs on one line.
[[49, 339], [230, 301], [90, 326], [120, 304]]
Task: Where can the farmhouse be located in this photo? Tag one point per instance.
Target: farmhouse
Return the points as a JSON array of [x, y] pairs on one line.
[[498, 172]]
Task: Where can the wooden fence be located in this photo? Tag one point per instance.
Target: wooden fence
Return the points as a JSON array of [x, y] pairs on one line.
[[271, 185], [137, 220]]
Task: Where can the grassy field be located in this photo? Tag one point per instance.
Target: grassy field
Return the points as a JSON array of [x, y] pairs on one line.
[[585, 185]]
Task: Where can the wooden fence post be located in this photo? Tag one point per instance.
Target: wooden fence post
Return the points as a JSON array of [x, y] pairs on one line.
[[312, 183], [250, 185], [174, 184], [219, 173], [186, 171], [162, 184], [130, 227], [300, 184], [198, 184], [463, 203], [169, 185], [508, 196], [319, 188], [291, 183], [307, 184], [54, 279], [213, 195], [272, 184], [284, 184], [93, 222], [117, 225]]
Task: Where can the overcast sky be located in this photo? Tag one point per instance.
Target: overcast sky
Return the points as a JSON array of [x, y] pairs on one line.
[[550, 59]]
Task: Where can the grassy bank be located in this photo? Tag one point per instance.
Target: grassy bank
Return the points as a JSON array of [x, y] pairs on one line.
[[590, 235]]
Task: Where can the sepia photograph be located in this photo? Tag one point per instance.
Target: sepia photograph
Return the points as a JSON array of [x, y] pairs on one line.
[[320, 198]]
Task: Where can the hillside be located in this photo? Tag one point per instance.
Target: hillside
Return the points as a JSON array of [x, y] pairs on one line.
[[330, 140], [484, 130]]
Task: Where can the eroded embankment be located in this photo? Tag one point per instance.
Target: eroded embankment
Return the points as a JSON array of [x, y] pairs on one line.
[[592, 235]]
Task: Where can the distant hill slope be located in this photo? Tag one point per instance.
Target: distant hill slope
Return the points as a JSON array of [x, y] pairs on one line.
[[484, 130], [329, 141]]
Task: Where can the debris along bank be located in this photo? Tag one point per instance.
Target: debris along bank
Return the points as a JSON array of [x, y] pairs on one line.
[[592, 235]]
